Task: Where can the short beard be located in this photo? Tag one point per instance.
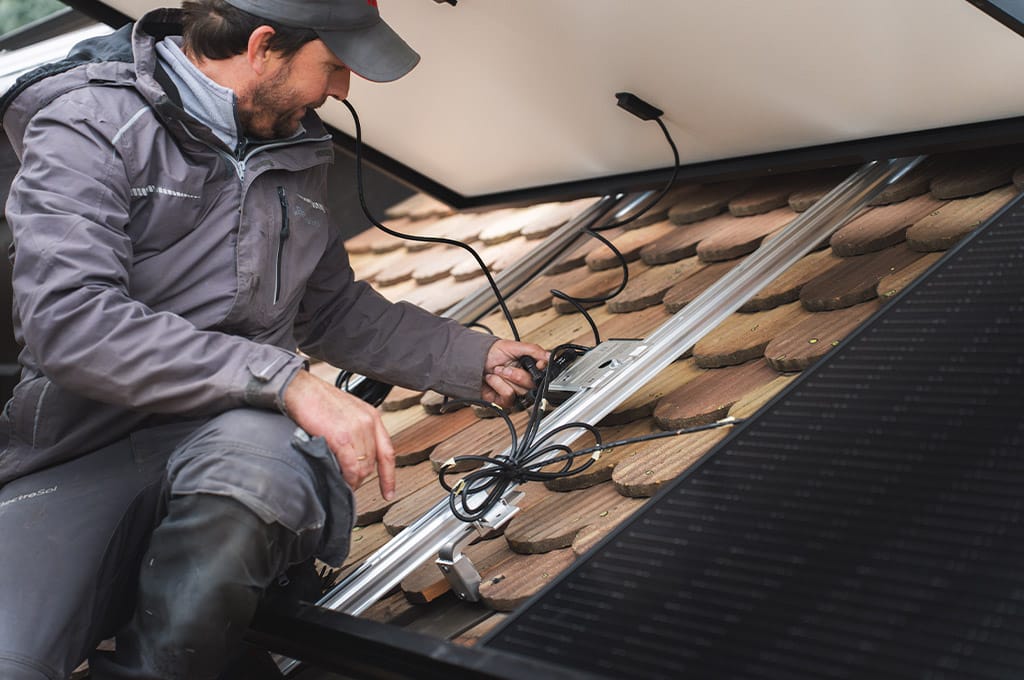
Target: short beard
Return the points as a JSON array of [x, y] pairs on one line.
[[266, 100]]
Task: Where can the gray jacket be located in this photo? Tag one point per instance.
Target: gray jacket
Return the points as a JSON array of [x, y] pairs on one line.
[[159, 274]]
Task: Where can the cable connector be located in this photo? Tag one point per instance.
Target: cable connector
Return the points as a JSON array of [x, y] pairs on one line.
[[638, 107]]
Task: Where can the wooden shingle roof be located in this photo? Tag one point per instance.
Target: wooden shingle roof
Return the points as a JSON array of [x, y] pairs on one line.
[[691, 242]]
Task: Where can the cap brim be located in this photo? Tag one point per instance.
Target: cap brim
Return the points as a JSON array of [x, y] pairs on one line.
[[376, 53]]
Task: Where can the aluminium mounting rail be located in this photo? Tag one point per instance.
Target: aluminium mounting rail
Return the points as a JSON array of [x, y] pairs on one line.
[[384, 569]]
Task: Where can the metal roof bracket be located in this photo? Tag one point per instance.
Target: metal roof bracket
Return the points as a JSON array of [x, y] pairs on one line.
[[456, 566]]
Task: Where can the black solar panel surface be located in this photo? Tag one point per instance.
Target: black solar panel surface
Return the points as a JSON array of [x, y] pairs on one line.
[[869, 524]]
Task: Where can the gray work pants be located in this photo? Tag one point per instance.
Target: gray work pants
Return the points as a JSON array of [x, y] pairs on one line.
[[72, 536]]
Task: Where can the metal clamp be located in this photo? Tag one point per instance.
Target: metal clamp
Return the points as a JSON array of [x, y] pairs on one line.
[[500, 514], [596, 367], [462, 576], [456, 566]]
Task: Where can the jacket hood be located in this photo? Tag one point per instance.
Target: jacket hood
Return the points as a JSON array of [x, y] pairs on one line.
[[106, 60], [37, 88]]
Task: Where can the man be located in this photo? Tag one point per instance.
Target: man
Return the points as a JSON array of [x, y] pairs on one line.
[[172, 249]]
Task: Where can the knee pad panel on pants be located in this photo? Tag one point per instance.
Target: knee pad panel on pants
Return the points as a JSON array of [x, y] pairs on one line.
[[248, 455]]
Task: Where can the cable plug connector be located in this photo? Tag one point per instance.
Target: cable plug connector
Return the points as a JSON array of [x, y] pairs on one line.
[[638, 107], [530, 365]]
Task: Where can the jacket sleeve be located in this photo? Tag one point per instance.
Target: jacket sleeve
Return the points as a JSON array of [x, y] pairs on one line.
[[68, 211], [349, 324]]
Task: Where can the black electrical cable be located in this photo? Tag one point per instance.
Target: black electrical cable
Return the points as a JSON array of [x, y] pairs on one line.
[[425, 239], [373, 392], [664, 192], [579, 303], [528, 456]]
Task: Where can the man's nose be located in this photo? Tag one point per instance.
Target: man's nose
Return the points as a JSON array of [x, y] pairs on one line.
[[339, 84]]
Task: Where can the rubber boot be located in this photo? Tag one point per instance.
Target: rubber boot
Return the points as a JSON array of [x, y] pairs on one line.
[[208, 564]]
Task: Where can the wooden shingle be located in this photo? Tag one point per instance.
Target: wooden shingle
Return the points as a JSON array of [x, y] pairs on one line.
[[743, 336], [708, 397], [708, 201], [819, 184], [662, 460], [855, 279], [766, 195], [594, 285], [786, 287], [914, 183], [975, 173], [414, 444], [800, 346], [681, 242], [956, 219], [882, 227], [624, 325], [681, 294], [641, 403], [628, 244], [482, 438], [892, 284], [418, 206], [543, 223], [370, 504], [649, 288], [743, 235], [520, 577], [554, 523], [601, 470], [400, 398]]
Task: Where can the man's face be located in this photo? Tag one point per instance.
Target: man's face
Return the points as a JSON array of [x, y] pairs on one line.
[[275, 105]]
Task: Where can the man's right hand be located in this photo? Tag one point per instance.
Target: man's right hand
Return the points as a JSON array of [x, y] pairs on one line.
[[353, 429]]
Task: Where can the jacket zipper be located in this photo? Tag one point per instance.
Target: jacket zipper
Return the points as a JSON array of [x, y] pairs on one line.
[[285, 233], [238, 161]]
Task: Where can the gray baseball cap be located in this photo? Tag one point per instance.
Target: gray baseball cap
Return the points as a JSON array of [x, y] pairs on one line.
[[352, 29]]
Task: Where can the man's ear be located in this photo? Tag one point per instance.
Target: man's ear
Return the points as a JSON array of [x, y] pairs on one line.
[[258, 53]]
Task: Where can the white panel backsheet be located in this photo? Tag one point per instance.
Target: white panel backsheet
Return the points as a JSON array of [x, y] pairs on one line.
[[519, 93]]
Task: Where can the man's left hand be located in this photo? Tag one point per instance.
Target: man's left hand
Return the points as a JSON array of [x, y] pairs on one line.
[[504, 379]]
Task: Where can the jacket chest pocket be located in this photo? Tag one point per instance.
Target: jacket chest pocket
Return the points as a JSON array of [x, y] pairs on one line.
[[297, 241]]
